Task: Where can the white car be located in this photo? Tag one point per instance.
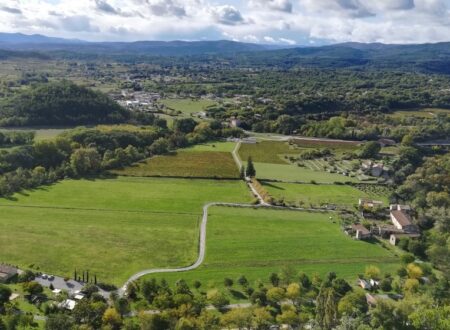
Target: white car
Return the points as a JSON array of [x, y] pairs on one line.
[[44, 276]]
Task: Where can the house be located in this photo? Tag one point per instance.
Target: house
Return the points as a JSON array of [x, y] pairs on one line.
[[373, 299], [386, 142], [364, 284], [377, 170], [7, 272], [399, 207], [395, 238], [361, 232], [402, 220], [68, 304], [235, 122], [364, 202]]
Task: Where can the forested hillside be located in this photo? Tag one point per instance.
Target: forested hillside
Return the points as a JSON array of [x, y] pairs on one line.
[[59, 103]]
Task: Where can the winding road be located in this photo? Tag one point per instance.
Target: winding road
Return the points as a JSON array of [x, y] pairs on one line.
[[201, 253], [202, 240]]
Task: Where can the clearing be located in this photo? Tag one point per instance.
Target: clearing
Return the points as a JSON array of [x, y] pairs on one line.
[[188, 106]]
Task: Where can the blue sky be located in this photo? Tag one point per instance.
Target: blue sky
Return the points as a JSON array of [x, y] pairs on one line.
[[294, 22]]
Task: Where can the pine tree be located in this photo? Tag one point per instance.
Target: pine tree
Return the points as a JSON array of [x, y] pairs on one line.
[[250, 171], [75, 275], [242, 172]]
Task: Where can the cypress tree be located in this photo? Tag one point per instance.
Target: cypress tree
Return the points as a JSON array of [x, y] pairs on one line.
[[250, 171]]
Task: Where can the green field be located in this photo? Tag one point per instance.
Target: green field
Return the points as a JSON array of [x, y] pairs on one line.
[[319, 194], [187, 106], [267, 151], [421, 113], [220, 146], [41, 133], [202, 164], [112, 227], [255, 243], [294, 173]]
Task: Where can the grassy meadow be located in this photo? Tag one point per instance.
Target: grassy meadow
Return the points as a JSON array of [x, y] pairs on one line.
[[421, 113], [316, 194], [113, 227], [257, 242], [187, 106], [267, 151], [294, 173], [203, 164]]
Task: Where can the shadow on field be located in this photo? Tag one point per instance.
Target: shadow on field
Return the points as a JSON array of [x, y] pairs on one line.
[[237, 294], [272, 185]]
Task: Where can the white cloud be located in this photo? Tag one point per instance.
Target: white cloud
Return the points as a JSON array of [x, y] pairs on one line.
[[283, 21], [227, 15]]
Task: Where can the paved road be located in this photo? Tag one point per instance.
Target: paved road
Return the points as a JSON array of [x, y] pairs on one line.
[[201, 253]]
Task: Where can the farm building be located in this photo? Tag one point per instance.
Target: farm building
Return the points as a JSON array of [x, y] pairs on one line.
[[361, 232], [372, 299], [386, 142], [364, 284], [7, 272], [395, 238], [402, 220], [68, 304], [364, 202]]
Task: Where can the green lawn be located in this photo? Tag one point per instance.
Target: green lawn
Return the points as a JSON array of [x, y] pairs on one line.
[[203, 164], [255, 243], [187, 106], [294, 173], [319, 194], [112, 227]]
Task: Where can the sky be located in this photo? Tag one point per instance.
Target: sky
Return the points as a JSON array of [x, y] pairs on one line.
[[289, 22]]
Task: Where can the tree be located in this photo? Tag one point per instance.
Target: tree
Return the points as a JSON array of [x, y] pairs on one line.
[[228, 282], [326, 308], [274, 279], [85, 161], [59, 322], [5, 293], [159, 147], [217, 298], [239, 318], [184, 125], [370, 150], [250, 170], [372, 272], [353, 303], [112, 318], [242, 172], [261, 318], [414, 271], [33, 288], [242, 280]]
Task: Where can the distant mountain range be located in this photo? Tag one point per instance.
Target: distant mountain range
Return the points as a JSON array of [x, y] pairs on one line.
[[422, 57], [37, 42]]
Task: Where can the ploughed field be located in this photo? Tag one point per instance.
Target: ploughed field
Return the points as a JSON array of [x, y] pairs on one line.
[[112, 227], [257, 242]]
